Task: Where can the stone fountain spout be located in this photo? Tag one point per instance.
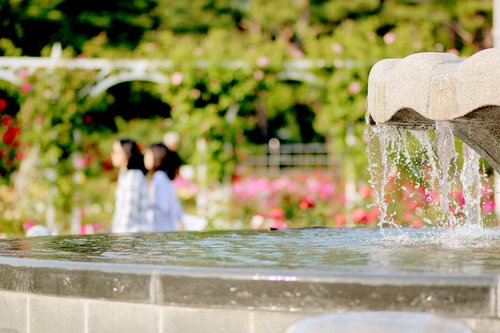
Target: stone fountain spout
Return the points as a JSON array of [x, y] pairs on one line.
[[416, 91]]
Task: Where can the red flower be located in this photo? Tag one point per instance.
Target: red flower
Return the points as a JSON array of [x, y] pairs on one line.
[[107, 165], [3, 104], [359, 216], [19, 155], [277, 214], [306, 203], [87, 119], [7, 121], [10, 135]]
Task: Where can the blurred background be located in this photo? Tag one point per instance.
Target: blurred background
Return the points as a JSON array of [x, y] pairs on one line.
[[267, 100]]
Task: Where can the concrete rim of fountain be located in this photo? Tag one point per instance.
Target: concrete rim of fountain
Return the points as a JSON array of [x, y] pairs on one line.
[[416, 91]]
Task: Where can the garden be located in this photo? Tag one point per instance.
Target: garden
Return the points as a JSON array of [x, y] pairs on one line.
[[237, 76]]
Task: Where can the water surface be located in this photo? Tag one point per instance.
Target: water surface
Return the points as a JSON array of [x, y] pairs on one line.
[[333, 250]]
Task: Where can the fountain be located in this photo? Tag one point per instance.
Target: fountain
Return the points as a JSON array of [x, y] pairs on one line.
[[399, 280], [420, 89]]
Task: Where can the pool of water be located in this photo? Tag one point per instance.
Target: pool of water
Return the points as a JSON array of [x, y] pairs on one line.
[[462, 251]]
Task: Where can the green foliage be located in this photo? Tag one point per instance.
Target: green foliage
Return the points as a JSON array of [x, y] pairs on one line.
[[51, 121]]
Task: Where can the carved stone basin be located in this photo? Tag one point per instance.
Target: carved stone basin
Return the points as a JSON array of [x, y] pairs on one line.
[[416, 91]]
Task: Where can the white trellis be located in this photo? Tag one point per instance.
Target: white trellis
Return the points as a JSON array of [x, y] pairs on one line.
[[111, 72]]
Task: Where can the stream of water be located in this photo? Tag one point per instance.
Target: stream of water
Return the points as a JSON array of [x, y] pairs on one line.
[[423, 170]]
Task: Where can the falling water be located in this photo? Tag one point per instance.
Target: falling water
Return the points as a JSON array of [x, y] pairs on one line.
[[471, 182], [429, 161]]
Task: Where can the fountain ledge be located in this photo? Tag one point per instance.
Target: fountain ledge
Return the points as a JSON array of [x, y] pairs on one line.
[[416, 91], [294, 294]]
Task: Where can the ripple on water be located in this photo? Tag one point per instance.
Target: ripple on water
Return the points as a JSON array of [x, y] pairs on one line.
[[472, 250]]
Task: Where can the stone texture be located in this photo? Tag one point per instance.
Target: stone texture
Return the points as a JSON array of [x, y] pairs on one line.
[[275, 321], [201, 320], [441, 86], [13, 312], [379, 322], [112, 317], [53, 314]]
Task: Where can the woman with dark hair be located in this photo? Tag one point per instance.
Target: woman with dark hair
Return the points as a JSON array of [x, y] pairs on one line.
[[131, 201], [165, 211]]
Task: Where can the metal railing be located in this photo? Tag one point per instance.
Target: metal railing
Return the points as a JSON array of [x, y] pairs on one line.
[[276, 158]]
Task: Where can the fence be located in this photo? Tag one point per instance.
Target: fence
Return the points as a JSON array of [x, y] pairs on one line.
[[276, 158]]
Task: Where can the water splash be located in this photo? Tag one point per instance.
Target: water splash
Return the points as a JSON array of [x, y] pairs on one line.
[[423, 169]]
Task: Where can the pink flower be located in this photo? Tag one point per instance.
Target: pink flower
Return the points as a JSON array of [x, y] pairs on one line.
[[373, 214], [489, 206], [28, 225], [258, 75], [278, 224], [459, 197], [359, 216], [389, 38], [24, 73], [337, 48], [79, 163], [412, 205], [354, 88], [87, 229], [326, 191], [417, 224], [340, 220], [407, 216], [195, 93], [262, 61], [177, 78], [277, 214], [365, 192], [25, 88]]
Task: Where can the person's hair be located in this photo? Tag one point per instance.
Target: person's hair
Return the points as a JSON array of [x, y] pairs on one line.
[[174, 163], [134, 155], [160, 160]]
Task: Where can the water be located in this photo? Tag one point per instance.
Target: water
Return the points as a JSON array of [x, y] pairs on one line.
[[361, 250], [424, 171]]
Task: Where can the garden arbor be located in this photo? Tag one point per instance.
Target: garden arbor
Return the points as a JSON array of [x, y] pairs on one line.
[[110, 72], [56, 93]]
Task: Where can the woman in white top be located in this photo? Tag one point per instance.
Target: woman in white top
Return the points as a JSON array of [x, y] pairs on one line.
[[165, 211], [131, 201]]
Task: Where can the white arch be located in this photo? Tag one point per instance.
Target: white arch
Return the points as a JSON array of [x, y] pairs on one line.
[[10, 77], [125, 77]]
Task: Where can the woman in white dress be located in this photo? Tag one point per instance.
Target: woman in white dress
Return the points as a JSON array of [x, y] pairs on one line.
[[165, 211], [131, 200]]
